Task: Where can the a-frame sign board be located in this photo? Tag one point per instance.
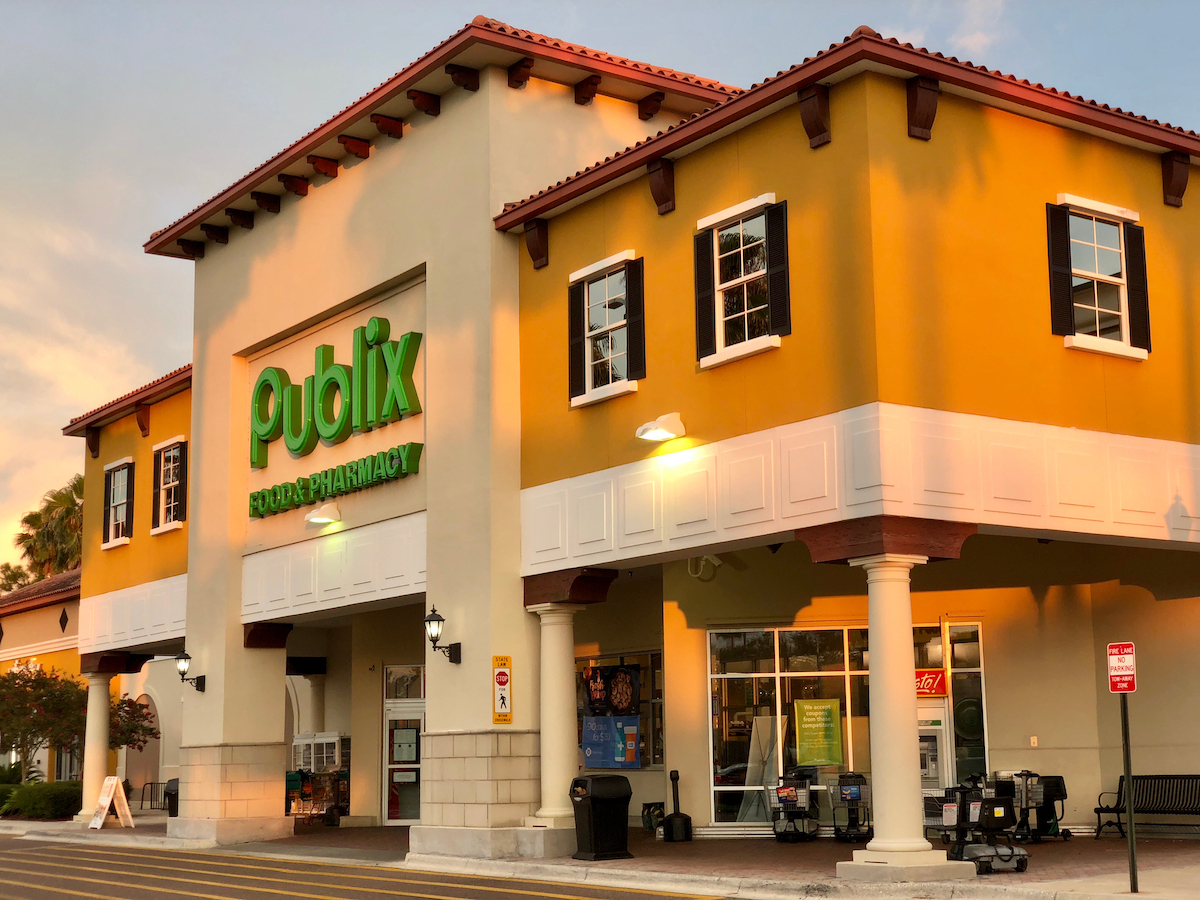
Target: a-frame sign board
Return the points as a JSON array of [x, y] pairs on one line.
[[112, 794]]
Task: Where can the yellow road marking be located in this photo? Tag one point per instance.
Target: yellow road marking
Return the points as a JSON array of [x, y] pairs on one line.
[[42, 887], [198, 857], [120, 884]]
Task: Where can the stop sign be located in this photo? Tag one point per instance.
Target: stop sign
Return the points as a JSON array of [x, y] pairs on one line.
[[502, 678]]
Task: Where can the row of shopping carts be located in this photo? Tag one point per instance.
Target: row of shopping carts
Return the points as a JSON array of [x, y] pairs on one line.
[[795, 811]]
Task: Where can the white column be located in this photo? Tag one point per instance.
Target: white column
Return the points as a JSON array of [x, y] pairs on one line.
[[898, 850], [316, 700], [95, 742], [559, 747]]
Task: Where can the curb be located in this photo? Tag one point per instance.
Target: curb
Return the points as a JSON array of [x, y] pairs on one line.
[[116, 840]]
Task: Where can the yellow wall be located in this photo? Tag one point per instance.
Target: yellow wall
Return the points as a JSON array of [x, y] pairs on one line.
[[146, 557], [918, 276], [25, 631]]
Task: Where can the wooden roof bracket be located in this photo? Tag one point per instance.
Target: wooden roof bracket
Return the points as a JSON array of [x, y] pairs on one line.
[[922, 106], [1175, 176], [537, 242], [142, 414], [519, 72], [649, 105], [662, 184], [814, 114]]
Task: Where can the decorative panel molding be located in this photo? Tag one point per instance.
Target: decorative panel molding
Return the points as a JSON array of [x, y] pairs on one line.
[[133, 617], [878, 459], [359, 565]]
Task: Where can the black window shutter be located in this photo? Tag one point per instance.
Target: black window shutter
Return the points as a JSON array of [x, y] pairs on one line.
[[1058, 241], [183, 482], [706, 313], [779, 302], [635, 318], [576, 355], [155, 521], [129, 500], [107, 534], [1136, 289]]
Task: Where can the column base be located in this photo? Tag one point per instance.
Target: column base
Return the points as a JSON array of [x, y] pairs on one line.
[[492, 843], [920, 865], [232, 831], [540, 821]]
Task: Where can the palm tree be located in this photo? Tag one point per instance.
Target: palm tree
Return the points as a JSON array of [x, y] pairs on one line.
[[50, 538]]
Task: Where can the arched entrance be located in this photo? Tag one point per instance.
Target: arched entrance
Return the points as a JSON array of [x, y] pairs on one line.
[[142, 766]]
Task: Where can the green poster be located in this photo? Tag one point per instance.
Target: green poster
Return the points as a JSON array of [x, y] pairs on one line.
[[818, 732]]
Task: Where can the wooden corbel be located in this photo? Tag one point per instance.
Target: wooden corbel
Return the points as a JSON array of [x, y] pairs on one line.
[[1175, 176], [814, 115], [519, 72], [92, 438], [265, 201], [392, 127], [240, 217], [569, 586], [463, 77], [585, 91], [922, 106], [430, 104], [662, 184], [839, 542], [294, 184], [355, 146], [191, 249], [265, 635], [324, 166], [218, 233], [142, 415], [649, 105], [537, 241]]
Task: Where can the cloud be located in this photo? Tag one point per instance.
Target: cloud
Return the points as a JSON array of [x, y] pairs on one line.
[[979, 25]]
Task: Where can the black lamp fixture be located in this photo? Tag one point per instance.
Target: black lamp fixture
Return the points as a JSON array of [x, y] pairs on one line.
[[433, 630], [183, 662]]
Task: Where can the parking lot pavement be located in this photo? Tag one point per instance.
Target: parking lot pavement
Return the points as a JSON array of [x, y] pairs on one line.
[[33, 870]]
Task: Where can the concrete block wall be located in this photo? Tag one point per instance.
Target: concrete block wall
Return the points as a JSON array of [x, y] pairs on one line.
[[480, 779], [232, 781]]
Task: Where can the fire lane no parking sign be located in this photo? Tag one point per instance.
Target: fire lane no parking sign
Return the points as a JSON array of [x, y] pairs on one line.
[[1122, 668]]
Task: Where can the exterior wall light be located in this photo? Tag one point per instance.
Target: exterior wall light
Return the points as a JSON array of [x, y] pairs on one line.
[[433, 630], [664, 428], [183, 662], [324, 514]]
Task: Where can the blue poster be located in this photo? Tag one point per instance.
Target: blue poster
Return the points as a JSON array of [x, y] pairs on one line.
[[611, 742]]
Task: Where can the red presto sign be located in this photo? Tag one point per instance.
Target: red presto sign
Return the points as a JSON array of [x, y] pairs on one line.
[[931, 682], [1122, 668]]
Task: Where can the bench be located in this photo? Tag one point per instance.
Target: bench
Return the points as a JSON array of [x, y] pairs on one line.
[[1154, 795]]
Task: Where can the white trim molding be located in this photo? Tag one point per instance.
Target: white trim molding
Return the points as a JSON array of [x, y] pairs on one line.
[[162, 445], [735, 211], [373, 562], [1095, 206], [752, 347], [134, 616], [876, 459], [600, 394], [10, 654], [170, 526], [1104, 346], [608, 263], [115, 542], [117, 463]]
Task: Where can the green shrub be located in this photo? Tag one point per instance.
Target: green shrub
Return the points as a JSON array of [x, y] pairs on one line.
[[5, 792], [56, 800]]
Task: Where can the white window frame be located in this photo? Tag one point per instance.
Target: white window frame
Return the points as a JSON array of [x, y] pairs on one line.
[[161, 448], [587, 275], [752, 346], [108, 541]]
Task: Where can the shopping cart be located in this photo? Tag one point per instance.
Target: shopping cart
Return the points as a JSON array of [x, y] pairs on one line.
[[793, 809], [851, 795]]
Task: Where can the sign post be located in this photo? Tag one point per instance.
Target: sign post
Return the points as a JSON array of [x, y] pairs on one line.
[[1122, 679]]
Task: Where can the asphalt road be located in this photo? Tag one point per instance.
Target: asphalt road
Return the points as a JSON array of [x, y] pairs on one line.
[[52, 871]]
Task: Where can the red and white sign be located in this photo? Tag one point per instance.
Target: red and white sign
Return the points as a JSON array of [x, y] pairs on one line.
[[501, 690], [1122, 668], [931, 682]]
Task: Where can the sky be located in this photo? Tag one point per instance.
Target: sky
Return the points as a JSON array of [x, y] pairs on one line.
[[116, 118]]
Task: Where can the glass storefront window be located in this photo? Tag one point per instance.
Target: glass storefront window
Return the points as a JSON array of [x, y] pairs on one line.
[[741, 652], [651, 743], [404, 682], [860, 722], [860, 659], [964, 646], [969, 749], [927, 647], [809, 705], [744, 741], [811, 651]]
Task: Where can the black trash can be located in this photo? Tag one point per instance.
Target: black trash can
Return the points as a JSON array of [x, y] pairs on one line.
[[601, 805], [171, 795]]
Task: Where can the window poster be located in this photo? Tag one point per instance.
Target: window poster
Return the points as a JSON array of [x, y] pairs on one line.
[[611, 742], [613, 690], [818, 732]]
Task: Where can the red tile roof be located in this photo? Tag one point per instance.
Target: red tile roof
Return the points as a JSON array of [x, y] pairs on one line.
[[480, 30], [172, 382], [864, 44], [53, 586]]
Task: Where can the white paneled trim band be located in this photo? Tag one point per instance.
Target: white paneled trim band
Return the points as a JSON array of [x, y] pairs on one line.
[[871, 460], [358, 565], [25, 651], [131, 617]]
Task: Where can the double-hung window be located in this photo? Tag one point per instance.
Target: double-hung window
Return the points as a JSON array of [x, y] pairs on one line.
[[118, 503], [169, 507], [606, 329], [743, 304], [1098, 292]]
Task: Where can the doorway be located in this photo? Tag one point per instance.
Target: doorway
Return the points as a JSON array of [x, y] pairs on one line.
[[404, 721]]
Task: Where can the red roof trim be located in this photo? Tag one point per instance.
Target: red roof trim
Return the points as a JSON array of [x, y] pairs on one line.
[[59, 588], [159, 389], [862, 46], [480, 31]]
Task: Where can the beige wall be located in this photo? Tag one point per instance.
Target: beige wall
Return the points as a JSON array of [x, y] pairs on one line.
[[159, 680], [38, 626]]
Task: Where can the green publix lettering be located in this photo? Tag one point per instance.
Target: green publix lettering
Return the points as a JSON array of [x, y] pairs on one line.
[[375, 390], [386, 465]]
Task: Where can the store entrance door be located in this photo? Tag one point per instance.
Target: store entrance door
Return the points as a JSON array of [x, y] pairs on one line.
[[937, 756], [404, 721]]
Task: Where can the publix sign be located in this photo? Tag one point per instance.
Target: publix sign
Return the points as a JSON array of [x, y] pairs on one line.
[[375, 390]]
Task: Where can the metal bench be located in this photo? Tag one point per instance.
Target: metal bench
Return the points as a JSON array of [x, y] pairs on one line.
[[1153, 795]]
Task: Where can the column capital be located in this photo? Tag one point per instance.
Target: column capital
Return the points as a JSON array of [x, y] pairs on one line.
[[550, 611], [99, 678], [897, 561]]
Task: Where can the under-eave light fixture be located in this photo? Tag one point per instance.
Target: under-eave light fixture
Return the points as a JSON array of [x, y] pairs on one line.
[[664, 428], [324, 514]]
